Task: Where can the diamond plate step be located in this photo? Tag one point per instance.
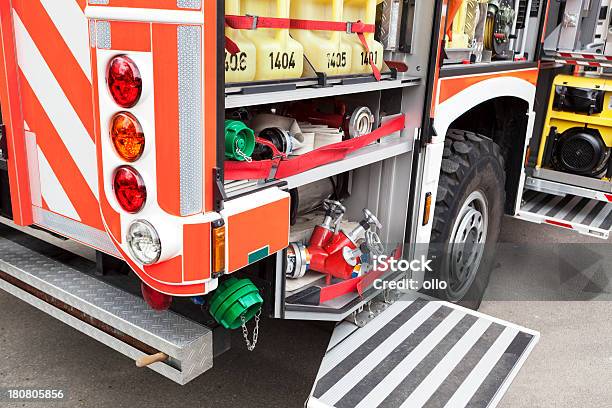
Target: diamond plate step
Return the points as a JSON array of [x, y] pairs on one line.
[[118, 319]]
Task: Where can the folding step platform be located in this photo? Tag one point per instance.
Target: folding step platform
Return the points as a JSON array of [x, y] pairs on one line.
[[110, 315], [587, 216], [422, 353]]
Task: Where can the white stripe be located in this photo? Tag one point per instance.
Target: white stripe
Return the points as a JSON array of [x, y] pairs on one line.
[[550, 205], [569, 207], [601, 216], [405, 367], [585, 211], [71, 23], [53, 100], [379, 354], [339, 353], [436, 377], [52, 190], [470, 385]]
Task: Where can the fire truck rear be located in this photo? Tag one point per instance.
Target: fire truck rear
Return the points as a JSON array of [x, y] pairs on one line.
[[224, 161]]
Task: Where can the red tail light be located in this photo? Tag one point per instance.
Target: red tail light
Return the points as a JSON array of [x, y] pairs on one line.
[[127, 136], [156, 300], [124, 81], [129, 189]]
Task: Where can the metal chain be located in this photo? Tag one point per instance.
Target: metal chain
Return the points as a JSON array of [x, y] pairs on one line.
[[245, 332], [242, 154]]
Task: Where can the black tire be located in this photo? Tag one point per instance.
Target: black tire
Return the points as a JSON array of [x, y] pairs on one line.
[[472, 168]]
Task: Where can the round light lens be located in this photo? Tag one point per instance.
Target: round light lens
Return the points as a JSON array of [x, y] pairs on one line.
[[129, 189], [124, 81], [143, 242], [127, 136]]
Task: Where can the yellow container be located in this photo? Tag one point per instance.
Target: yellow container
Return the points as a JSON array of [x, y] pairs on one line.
[[240, 67], [274, 54], [364, 11], [327, 51]]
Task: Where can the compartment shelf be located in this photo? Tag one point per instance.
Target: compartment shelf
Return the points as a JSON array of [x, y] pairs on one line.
[[237, 96], [393, 146]]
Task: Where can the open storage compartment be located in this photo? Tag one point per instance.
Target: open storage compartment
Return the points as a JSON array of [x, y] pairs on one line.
[[343, 128]]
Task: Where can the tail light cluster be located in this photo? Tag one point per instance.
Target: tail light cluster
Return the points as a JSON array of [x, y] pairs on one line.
[[128, 140]]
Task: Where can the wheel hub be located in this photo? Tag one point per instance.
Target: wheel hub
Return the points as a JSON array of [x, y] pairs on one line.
[[466, 247]]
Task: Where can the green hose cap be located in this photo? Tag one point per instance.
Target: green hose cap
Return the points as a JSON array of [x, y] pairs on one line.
[[233, 299], [239, 140]]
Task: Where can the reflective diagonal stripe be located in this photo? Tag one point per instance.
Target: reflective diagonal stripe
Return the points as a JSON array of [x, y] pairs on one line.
[[52, 191], [72, 25], [59, 158], [63, 116], [59, 58]]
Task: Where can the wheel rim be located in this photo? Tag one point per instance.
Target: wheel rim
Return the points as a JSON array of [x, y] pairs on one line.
[[466, 247]]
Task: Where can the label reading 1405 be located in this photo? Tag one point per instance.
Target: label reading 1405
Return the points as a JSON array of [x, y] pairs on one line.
[[336, 60]]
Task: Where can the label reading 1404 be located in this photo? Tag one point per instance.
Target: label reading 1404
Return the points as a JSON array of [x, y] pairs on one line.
[[282, 60]]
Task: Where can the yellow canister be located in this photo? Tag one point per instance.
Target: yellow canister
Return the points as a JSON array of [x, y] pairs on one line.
[[277, 55], [364, 11], [327, 51], [240, 67]]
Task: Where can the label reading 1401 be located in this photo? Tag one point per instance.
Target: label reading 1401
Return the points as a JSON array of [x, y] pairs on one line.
[[367, 57]]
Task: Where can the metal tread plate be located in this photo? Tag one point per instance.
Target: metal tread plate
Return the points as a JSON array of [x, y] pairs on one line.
[[559, 188], [188, 343], [585, 215], [422, 353]]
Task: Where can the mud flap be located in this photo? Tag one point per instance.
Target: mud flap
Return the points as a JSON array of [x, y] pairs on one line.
[[421, 353]]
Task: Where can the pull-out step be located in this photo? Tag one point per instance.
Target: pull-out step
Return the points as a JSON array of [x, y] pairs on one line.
[[118, 319], [422, 353], [587, 216]]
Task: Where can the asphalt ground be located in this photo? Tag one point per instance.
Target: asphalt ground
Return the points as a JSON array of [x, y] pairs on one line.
[[563, 299]]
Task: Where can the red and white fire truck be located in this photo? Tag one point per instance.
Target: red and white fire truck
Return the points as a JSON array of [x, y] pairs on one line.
[[224, 160]]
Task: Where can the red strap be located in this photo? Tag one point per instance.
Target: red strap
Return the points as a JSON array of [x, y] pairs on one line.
[[260, 170], [254, 22], [231, 46], [317, 25], [257, 170], [375, 69]]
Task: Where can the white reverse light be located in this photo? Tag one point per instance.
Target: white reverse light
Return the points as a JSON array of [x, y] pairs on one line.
[[144, 242]]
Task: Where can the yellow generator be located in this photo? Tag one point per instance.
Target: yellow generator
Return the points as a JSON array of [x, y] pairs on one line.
[[577, 137]]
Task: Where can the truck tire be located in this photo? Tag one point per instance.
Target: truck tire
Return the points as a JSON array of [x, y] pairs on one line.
[[469, 210]]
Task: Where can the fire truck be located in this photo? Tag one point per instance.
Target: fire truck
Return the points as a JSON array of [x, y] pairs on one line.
[[213, 163]]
